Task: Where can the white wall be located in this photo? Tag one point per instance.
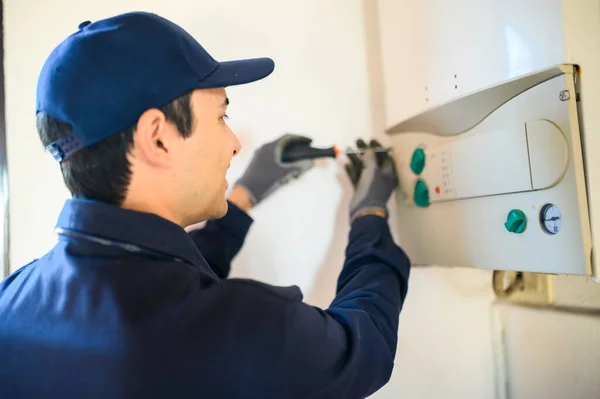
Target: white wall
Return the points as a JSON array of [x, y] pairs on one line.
[[550, 354]]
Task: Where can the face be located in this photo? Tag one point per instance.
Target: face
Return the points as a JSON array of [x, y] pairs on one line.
[[183, 179], [201, 160]]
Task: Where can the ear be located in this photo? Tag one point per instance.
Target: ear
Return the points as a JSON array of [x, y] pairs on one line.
[[151, 138]]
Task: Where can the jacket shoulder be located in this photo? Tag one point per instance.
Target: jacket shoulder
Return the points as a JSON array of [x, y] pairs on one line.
[[287, 294], [14, 275]]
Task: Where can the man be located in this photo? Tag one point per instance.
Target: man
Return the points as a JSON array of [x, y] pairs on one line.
[[129, 305]]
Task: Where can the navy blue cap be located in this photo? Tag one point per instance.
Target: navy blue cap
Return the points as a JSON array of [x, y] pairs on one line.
[[103, 77]]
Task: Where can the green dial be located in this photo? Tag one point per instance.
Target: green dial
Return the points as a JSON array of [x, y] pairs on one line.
[[417, 162], [516, 221], [421, 196]]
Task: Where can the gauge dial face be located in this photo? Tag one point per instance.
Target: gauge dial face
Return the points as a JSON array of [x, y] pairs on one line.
[[551, 219]]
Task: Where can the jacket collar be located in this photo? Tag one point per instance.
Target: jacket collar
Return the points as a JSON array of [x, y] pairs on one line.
[[144, 230]]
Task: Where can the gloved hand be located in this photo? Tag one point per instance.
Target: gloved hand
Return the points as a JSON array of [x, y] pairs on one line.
[[266, 172], [374, 178]]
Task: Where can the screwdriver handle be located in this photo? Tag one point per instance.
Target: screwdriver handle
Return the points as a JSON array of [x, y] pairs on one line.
[[301, 152]]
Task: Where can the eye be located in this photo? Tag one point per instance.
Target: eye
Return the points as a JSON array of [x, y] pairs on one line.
[[225, 117]]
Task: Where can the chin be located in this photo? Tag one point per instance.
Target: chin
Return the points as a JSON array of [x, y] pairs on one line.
[[219, 211]]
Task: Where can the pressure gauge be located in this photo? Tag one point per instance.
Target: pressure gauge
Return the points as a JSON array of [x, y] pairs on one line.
[[550, 219]]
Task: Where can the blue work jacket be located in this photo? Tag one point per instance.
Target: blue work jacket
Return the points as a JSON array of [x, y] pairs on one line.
[[130, 305]]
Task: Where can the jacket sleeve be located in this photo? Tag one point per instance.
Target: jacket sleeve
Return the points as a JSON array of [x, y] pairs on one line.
[[220, 240], [348, 349]]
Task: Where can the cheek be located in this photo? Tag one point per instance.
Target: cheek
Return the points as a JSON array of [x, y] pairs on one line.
[[209, 155], [204, 161]]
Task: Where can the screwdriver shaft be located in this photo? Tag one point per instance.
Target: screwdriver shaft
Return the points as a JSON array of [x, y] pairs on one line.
[[362, 151]]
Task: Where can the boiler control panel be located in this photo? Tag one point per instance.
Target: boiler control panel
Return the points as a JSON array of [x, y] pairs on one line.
[[495, 179]]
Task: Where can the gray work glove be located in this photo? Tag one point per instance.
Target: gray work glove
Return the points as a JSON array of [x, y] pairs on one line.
[[266, 172], [374, 178]]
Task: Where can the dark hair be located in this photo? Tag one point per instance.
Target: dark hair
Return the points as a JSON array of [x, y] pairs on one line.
[[102, 172]]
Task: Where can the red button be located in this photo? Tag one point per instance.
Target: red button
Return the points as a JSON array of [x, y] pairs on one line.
[[437, 190]]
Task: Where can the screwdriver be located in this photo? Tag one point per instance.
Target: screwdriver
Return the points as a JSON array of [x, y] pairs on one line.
[[301, 152]]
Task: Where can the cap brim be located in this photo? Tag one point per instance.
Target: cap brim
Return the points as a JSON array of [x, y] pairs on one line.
[[231, 73]]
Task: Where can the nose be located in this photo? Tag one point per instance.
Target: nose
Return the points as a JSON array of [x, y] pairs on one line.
[[237, 146]]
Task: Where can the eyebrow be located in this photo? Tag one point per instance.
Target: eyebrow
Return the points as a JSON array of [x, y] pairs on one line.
[[226, 102]]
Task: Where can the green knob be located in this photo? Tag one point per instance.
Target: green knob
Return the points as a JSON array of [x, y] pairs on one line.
[[421, 196], [516, 221], [417, 162]]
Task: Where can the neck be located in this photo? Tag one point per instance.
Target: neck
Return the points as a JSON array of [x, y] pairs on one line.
[[157, 208], [146, 193]]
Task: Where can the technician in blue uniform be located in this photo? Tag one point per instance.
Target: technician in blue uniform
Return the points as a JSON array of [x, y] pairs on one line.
[[129, 305]]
